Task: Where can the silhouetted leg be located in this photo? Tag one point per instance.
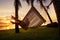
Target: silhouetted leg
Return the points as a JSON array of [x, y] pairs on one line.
[[24, 25]]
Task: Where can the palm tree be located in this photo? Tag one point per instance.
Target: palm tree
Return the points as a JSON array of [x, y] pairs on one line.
[[57, 9], [17, 4], [41, 3], [56, 4], [28, 1]]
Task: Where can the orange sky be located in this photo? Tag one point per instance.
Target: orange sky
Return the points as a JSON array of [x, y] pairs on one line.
[[7, 9]]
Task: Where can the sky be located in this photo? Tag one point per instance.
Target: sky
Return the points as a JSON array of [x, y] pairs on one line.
[[7, 9]]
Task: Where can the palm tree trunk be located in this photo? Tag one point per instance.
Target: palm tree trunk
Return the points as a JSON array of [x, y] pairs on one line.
[[46, 11], [47, 14], [56, 4], [16, 16], [16, 25]]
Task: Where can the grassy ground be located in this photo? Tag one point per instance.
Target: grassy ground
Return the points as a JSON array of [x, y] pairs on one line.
[[41, 33]]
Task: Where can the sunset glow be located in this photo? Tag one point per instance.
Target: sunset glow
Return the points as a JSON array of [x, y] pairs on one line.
[[5, 23], [7, 9]]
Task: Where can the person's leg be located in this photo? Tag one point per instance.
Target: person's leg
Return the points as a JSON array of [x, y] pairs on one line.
[[17, 20], [21, 23]]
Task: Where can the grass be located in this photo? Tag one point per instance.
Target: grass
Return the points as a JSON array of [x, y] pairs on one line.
[[41, 33]]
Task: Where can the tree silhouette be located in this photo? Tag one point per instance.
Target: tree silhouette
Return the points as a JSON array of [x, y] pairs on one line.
[[41, 3], [56, 4], [27, 1], [57, 9], [30, 1], [17, 4]]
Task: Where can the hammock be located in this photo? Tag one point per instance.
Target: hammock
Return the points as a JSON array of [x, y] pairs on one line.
[[32, 19]]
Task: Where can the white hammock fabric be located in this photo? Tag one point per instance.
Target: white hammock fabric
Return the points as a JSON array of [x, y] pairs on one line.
[[33, 18]]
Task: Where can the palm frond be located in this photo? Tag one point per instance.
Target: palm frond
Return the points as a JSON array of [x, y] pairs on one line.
[[32, 1], [50, 4], [28, 1], [17, 2], [41, 3]]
